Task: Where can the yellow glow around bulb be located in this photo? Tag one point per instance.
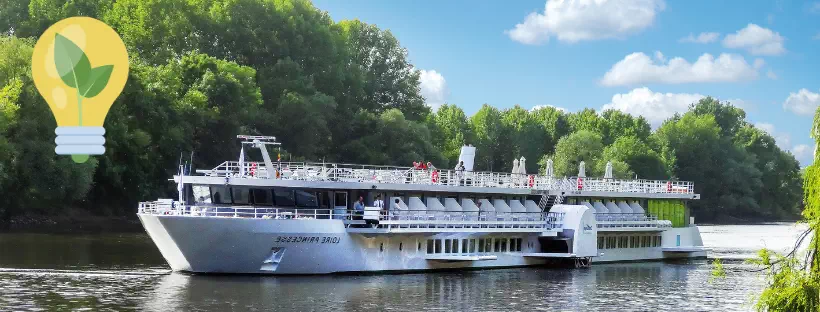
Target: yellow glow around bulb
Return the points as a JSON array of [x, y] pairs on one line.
[[79, 109]]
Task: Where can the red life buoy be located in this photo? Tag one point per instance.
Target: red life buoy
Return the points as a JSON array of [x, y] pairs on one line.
[[253, 169], [580, 183], [669, 186], [532, 180], [435, 176]]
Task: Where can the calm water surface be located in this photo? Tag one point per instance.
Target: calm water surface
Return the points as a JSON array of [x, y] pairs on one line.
[[41, 272]]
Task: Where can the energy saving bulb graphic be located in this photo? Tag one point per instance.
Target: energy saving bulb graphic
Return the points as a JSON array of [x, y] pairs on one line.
[[80, 66]]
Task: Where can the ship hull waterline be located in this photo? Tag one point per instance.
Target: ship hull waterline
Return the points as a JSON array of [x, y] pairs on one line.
[[224, 245]]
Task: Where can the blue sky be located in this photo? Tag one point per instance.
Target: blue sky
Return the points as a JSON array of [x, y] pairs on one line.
[[763, 56]]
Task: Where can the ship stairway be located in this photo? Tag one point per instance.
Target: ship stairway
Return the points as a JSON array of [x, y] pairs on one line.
[[547, 201]]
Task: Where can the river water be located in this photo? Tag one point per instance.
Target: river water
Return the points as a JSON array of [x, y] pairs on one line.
[[42, 272]]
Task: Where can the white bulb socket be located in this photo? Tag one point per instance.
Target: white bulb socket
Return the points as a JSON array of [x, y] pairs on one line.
[[80, 140]]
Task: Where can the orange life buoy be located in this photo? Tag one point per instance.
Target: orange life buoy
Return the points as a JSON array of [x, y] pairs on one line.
[[580, 183], [532, 180], [435, 176]]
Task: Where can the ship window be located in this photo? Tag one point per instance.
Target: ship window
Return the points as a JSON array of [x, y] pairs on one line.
[[472, 245], [455, 246], [503, 245], [480, 245], [262, 197], [283, 197], [643, 241], [518, 244], [241, 195], [464, 245], [325, 199], [429, 246], [497, 245], [488, 246], [447, 246], [600, 242], [340, 199], [220, 195], [438, 245], [306, 199]]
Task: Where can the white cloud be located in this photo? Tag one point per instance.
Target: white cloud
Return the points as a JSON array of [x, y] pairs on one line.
[[757, 40], [759, 62], [433, 87], [638, 68], [771, 75], [654, 106], [659, 56], [804, 154], [537, 107], [577, 20], [804, 102], [784, 140], [704, 37]]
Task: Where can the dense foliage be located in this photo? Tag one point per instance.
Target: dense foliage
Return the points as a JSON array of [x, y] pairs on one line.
[[203, 71], [794, 278]]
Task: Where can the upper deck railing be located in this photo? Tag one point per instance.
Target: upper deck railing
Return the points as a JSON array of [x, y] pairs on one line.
[[372, 217], [302, 171]]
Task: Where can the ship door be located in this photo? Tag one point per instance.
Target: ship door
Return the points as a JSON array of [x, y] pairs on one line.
[[339, 205]]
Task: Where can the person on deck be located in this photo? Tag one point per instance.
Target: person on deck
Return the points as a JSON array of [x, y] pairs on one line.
[[358, 209], [380, 204], [460, 167]]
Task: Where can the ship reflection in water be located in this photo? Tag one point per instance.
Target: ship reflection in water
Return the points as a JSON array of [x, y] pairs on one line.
[[640, 286], [97, 275]]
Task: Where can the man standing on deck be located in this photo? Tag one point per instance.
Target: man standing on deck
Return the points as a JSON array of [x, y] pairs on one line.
[[379, 204], [358, 209]]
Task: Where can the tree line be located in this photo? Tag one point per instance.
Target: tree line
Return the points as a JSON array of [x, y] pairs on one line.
[[203, 71]]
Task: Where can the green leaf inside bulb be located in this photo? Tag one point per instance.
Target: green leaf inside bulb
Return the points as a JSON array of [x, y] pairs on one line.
[[79, 158]]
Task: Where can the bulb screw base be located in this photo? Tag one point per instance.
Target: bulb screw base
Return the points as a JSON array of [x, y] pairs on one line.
[[80, 140]]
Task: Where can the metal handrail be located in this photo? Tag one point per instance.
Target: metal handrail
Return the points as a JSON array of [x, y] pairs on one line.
[[385, 218], [335, 172]]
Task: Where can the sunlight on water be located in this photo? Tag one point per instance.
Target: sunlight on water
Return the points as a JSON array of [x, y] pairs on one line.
[[125, 272]]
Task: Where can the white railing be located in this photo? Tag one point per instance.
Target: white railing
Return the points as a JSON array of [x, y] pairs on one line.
[[627, 220], [379, 219], [405, 175]]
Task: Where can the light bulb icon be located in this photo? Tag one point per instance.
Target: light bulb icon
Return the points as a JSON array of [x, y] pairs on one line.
[[79, 66]]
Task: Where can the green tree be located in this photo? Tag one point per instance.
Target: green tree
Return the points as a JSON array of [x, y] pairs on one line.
[[555, 124], [583, 145], [492, 140], [638, 156], [451, 131], [527, 134]]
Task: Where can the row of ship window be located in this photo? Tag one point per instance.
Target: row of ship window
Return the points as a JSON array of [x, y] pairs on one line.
[[472, 245], [629, 241]]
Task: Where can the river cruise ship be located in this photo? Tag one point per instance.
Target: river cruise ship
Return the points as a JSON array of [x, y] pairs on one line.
[[274, 217]]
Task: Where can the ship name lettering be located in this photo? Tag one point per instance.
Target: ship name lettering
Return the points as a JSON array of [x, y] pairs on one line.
[[308, 239]]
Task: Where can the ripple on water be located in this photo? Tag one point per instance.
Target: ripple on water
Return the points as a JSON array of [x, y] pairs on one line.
[[135, 280]]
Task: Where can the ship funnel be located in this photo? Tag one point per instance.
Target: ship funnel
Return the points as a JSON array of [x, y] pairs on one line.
[[467, 156]]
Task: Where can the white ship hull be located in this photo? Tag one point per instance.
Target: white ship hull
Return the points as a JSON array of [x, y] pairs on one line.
[[268, 246]]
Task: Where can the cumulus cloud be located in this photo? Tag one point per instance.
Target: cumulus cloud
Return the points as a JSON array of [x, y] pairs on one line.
[[638, 68], [804, 102], [759, 62], [573, 21], [704, 37], [784, 140], [771, 75], [433, 88], [537, 107], [654, 106], [804, 154], [757, 40]]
